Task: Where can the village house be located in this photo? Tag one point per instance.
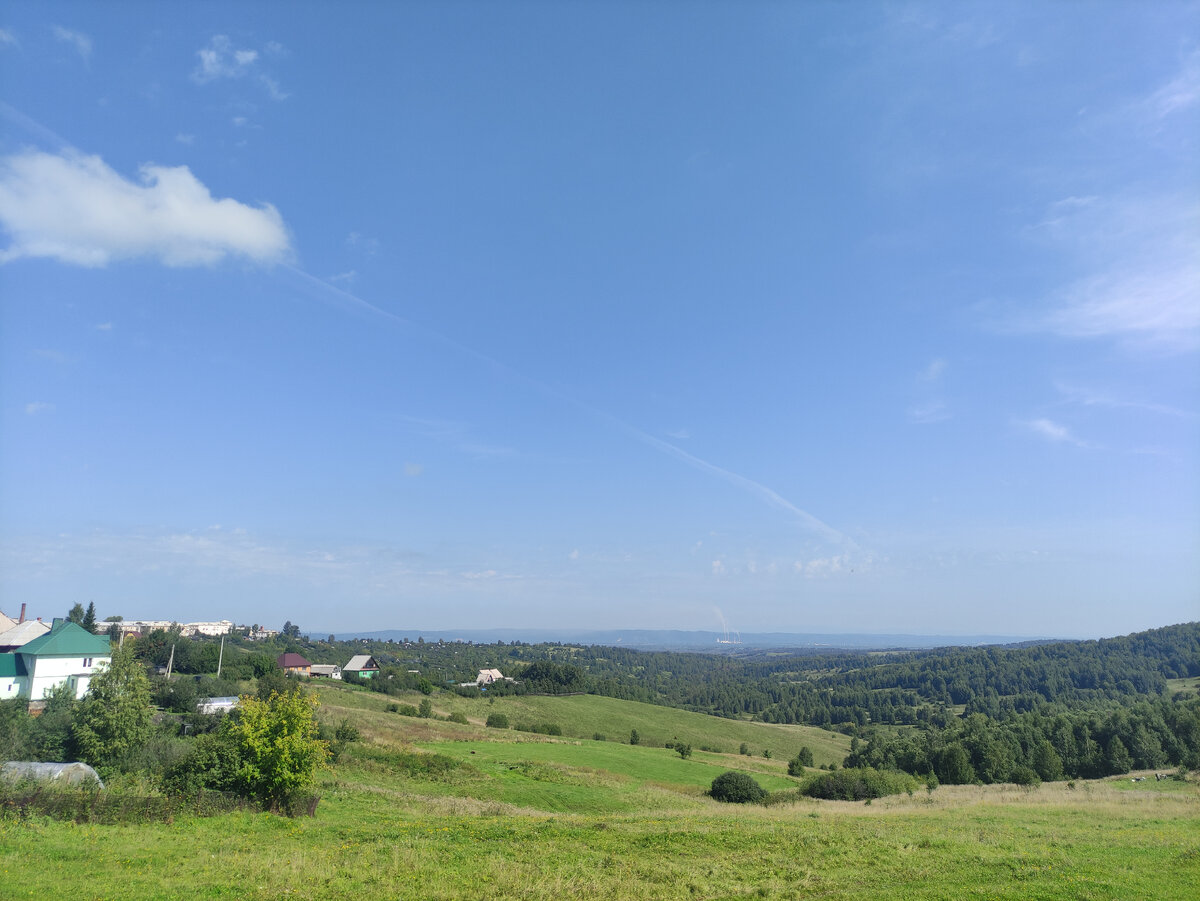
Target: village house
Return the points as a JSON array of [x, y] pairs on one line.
[[65, 654], [19, 632], [327, 670], [361, 666], [294, 663]]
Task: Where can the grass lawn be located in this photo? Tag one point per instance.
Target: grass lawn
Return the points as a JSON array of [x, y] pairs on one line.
[[423, 809]]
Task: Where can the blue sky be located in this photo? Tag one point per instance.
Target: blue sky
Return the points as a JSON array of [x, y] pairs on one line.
[[855, 317]]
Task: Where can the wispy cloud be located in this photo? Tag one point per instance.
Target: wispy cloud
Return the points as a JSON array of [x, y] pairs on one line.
[[103, 326], [1142, 256], [33, 409], [76, 209], [1087, 397], [1181, 92], [933, 371], [933, 411], [222, 60], [80, 41], [8, 39], [1053, 432], [931, 408]]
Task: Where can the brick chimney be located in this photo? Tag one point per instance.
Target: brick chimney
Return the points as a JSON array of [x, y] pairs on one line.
[[22, 619]]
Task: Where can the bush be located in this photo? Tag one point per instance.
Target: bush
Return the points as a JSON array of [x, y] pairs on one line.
[[736, 788], [858, 784], [797, 764], [497, 721], [457, 717], [598, 736], [744, 750]]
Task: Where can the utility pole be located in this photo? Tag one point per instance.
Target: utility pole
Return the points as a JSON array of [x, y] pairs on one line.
[[221, 657], [170, 663]]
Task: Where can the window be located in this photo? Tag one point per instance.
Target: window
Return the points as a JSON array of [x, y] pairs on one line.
[[87, 661]]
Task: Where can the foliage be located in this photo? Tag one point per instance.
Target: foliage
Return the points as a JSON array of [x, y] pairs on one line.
[[425, 709], [278, 746], [857, 784], [803, 758], [497, 721], [549, 677], [88, 804], [734, 787], [89, 618], [634, 738], [113, 719]]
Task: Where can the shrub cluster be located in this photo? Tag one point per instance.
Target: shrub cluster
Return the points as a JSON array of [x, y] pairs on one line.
[[733, 787], [859, 784]]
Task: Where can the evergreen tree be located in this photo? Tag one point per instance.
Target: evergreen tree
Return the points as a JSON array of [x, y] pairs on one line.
[[89, 617]]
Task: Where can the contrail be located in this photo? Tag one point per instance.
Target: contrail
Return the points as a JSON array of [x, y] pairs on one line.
[[757, 489]]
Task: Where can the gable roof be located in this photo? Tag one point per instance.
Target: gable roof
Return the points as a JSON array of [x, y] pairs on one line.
[[361, 662], [11, 665], [23, 633], [68, 640], [290, 659], [6, 623]]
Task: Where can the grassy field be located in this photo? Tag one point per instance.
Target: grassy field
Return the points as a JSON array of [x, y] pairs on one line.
[[583, 716], [432, 810]]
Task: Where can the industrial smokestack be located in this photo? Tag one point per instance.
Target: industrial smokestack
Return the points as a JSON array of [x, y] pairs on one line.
[[22, 619]]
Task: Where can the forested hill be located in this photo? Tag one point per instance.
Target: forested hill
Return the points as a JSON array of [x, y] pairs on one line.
[[988, 679]]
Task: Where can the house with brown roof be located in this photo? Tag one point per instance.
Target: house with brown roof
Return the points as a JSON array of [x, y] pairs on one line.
[[294, 663]]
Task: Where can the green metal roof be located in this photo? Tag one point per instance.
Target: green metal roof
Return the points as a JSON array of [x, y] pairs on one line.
[[11, 665], [68, 640]]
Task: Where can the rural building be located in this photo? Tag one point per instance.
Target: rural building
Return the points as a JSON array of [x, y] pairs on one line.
[[21, 634], [488, 676], [217, 705], [65, 654], [361, 666], [294, 663], [327, 670]]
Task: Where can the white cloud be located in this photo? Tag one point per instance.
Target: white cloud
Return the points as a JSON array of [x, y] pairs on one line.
[[220, 59], [1140, 262], [1181, 92], [934, 411], [78, 210], [1091, 398], [81, 42], [412, 470], [7, 37], [821, 567], [186, 139], [103, 326], [38, 407], [933, 371], [574, 555], [718, 568], [1054, 432]]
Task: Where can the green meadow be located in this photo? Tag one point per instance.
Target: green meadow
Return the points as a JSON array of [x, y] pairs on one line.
[[426, 809]]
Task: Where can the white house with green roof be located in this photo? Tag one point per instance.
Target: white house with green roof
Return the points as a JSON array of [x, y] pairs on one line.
[[68, 654]]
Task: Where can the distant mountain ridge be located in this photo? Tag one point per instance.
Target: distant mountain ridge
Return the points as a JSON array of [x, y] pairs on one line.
[[673, 639]]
